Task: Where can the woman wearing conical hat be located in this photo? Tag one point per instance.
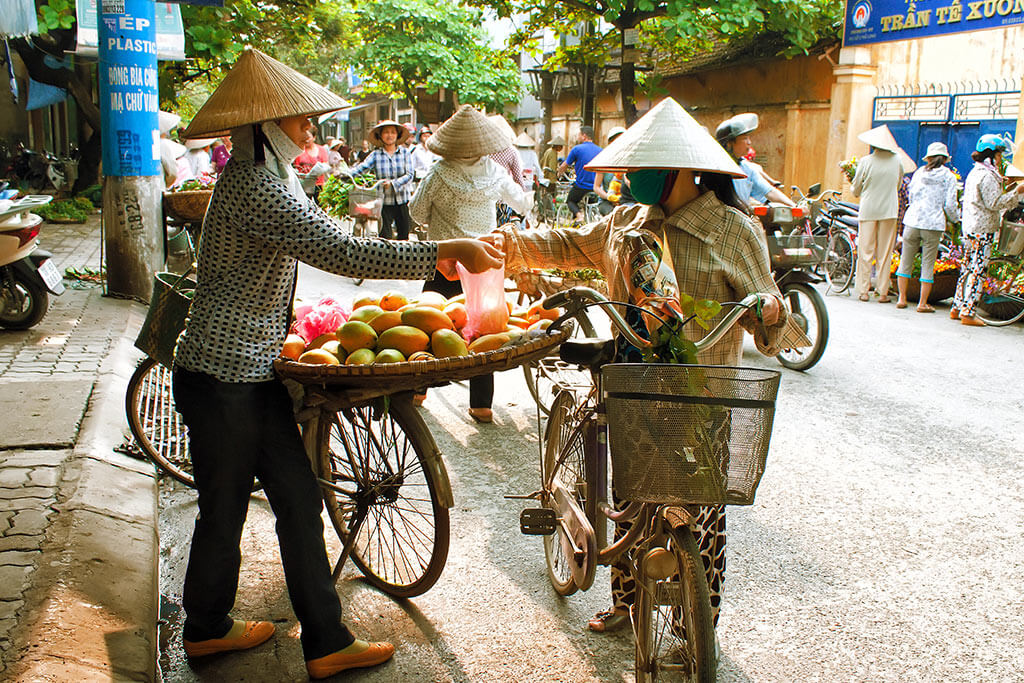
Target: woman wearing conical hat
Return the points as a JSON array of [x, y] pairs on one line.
[[457, 198], [258, 226], [682, 181], [391, 161]]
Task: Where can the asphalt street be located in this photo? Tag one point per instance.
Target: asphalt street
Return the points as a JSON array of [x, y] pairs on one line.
[[885, 543]]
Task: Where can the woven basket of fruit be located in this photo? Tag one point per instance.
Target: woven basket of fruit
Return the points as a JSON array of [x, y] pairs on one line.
[[415, 374], [187, 206]]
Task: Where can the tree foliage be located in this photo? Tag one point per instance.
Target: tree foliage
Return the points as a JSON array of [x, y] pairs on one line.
[[401, 45]]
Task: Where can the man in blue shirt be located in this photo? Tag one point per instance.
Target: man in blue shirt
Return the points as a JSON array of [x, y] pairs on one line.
[[580, 156], [734, 135]]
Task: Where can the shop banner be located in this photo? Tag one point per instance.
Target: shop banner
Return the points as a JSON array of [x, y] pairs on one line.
[[882, 21], [170, 32], [129, 98]]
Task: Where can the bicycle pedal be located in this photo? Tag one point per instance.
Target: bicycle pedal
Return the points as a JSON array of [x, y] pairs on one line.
[[538, 521]]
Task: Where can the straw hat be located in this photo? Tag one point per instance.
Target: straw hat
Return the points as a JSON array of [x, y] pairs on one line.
[[374, 136], [259, 88], [469, 133], [557, 141], [666, 137], [881, 138], [199, 143], [166, 121], [505, 127], [523, 140]]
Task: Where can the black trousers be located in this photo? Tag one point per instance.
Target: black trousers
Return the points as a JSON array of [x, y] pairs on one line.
[[397, 215], [576, 195], [238, 431], [481, 387]]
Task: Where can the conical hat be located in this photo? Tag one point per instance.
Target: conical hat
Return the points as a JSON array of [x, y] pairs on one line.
[[468, 133], [505, 126], [557, 141], [166, 121], [666, 137], [199, 143], [259, 88], [375, 138], [1013, 172], [881, 137], [524, 140]]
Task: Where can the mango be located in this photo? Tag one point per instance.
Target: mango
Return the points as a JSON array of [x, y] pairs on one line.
[[457, 313], [404, 338], [422, 355], [457, 299], [293, 347], [386, 320], [448, 344], [488, 342], [333, 347], [521, 323], [365, 313], [432, 299], [361, 357], [541, 324], [427, 319], [389, 356], [321, 340], [319, 357], [366, 300], [392, 301], [356, 334], [538, 310]]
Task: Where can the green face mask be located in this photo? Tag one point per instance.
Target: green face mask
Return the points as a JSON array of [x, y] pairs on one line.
[[647, 184]]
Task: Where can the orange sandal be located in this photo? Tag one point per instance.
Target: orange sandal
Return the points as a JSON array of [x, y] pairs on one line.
[[608, 621]]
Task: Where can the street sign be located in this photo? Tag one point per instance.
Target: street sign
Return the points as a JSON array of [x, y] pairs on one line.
[[881, 21], [170, 32]]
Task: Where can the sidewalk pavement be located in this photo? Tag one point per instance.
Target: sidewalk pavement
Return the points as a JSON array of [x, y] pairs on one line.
[[78, 537]]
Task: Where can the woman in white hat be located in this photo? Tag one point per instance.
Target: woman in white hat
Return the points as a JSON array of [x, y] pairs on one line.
[[170, 151], [457, 198], [876, 183], [932, 203], [239, 415], [198, 156], [391, 162], [422, 158], [528, 157], [682, 181]]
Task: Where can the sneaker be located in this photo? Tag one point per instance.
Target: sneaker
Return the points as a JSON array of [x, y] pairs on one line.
[[325, 667], [255, 633]]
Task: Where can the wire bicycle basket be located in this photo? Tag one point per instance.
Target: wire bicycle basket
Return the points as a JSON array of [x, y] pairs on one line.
[[688, 434]]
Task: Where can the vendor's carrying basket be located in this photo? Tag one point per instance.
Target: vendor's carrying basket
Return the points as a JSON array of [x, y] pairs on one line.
[[187, 206], [1011, 238], [688, 434], [794, 251], [168, 308], [364, 203]]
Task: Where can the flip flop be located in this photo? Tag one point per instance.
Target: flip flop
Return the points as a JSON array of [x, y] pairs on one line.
[[925, 308], [902, 304]]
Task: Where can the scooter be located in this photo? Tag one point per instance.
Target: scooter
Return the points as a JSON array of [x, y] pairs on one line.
[[27, 273]]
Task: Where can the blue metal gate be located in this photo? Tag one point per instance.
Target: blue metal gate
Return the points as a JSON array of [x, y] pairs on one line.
[[957, 119]]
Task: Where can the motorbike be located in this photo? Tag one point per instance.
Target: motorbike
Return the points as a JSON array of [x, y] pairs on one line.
[[795, 254], [41, 170], [27, 273]]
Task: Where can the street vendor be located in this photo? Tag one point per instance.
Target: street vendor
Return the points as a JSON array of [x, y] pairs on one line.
[[239, 415], [391, 162], [682, 181], [458, 199]]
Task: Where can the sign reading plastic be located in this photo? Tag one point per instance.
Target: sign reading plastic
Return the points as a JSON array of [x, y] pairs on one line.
[[129, 98], [170, 32], [882, 21]]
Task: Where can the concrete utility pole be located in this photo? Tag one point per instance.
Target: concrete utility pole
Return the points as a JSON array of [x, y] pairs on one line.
[[133, 181]]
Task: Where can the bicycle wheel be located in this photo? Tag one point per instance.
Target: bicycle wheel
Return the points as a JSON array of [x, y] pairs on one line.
[[547, 376], [675, 632], [808, 310], [839, 262], [376, 464], [564, 463], [155, 424], [1006, 278]]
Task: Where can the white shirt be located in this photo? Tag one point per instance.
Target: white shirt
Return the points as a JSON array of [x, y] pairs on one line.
[[876, 182]]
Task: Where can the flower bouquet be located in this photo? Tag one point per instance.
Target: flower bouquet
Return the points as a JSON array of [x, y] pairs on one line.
[[849, 167]]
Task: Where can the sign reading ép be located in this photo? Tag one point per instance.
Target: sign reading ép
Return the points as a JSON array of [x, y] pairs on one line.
[[880, 21], [129, 98]]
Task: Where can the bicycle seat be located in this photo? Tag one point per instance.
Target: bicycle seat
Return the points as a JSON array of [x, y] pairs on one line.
[[591, 353]]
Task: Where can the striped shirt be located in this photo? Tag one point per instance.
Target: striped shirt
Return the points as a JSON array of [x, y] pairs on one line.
[[254, 234], [395, 167], [716, 252]]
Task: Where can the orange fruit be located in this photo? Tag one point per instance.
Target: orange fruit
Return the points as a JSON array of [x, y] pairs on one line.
[[539, 311], [457, 313], [519, 322], [386, 320], [294, 345], [392, 301], [366, 300]]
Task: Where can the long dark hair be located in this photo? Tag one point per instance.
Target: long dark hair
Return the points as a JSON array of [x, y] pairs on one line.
[[985, 154], [936, 161], [722, 186]]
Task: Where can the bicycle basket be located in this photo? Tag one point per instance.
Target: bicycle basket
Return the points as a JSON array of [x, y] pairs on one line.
[[688, 434], [1011, 238], [165, 320], [364, 203], [791, 251]]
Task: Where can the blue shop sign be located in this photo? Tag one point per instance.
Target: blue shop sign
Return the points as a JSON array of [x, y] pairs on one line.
[[882, 21]]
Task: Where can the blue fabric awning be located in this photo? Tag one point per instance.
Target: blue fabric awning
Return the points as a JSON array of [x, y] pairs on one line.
[[18, 18]]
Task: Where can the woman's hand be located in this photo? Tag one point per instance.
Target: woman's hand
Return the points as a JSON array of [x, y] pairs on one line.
[[475, 255], [495, 239]]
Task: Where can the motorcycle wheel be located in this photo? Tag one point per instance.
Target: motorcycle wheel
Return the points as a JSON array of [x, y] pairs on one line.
[[23, 301], [807, 308]]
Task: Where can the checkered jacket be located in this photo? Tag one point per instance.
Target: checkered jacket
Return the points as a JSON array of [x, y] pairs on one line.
[[395, 167]]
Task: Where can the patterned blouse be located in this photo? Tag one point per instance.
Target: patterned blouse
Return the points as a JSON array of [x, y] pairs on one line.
[[984, 200], [716, 251], [395, 167], [254, 233]]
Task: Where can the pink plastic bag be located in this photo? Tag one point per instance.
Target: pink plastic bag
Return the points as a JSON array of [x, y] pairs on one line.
[[486, 310]]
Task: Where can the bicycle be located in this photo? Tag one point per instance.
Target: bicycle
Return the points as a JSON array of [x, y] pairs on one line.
[[652, 417], [1002, 300], [836, 221]]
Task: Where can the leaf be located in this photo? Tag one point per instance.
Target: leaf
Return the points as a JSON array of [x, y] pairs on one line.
[[67, 21]]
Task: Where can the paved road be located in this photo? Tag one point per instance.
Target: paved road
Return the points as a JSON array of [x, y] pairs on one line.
[[885, 543]]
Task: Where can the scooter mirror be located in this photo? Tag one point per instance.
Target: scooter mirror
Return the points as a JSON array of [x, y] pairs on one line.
[[814, 190]]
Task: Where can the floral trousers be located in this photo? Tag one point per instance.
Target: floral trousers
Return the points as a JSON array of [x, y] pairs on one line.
[[977, 251]]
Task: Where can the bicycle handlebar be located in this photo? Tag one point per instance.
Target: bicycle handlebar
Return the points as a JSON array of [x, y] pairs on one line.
[[574, 300]]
